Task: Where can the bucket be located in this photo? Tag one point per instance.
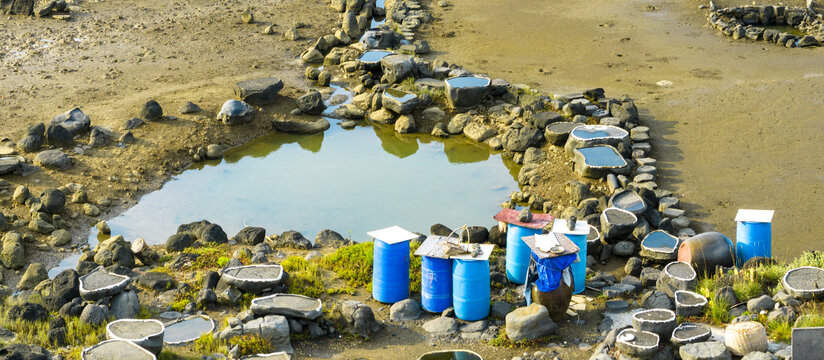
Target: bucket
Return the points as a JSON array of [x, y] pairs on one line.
[[518, 253], [578, 235], [753, 235], [436, 284], [390, 271], [470, 289]]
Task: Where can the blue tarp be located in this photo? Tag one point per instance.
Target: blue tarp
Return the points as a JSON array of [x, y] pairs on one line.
[[547, 273]]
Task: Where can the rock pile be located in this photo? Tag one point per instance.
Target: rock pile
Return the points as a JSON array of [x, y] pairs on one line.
[[759, 23]]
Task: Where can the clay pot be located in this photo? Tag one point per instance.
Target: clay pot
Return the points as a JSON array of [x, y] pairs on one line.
[[706, 251], [555, 301]]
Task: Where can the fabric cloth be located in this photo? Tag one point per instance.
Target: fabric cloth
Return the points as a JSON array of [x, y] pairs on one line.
[[546, 274]]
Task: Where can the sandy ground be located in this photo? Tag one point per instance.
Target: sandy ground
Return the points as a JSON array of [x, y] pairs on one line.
[[116, 55], [736, 129]]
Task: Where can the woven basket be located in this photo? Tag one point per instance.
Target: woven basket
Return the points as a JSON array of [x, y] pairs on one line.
[[745, 337]]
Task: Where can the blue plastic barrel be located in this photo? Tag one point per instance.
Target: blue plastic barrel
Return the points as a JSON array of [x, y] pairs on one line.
[[517, 252], [436, 284], [390, 271], [752, 239], [579, 269], [470, 289]]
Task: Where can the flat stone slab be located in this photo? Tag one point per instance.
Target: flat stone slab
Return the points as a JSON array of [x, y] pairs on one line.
[[451, 354], [688, 303], [807, 344], [188, 329], [9, 164], [591, 135], [295, 126], [657, 321], [282, 355], [288, 305], [147, 333], [597, 161], [659, 246], [116, 349], [688, 333], [100, 284], [638, 344], [805, 282], [253, 278], [628, 200], [710, 350]]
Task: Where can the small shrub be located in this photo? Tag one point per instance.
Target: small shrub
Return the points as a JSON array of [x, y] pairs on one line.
[[746, 289], [305, 278], [222, 261], [780, 330], [352, 263], [809, 258], [250, 344], [718, 312], [707, 286], [414, 268], [810, 320], [206, 343]]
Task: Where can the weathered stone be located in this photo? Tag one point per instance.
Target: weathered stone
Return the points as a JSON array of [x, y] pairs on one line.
[[151, 111], [74, 121], [34, 274], [521, 138], [260, 91], [53, 159], [527, 323], [234, 112], [710, 350], [13, 254], [405, 310], [301, 126], [441, 326]]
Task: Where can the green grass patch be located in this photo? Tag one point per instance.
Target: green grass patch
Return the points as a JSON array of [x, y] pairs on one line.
[[717, 312], [746, 289], [305, 278], [414, 268], [809, 258], [810, 320], [707, 286], [207, 344], [780, 330], [438, 95], [352, 263], [36, 332], [250, 344]]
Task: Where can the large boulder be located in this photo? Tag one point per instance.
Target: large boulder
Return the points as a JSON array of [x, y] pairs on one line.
[[234, 112], [58, 136], [74, 121], [53, 200], [260, 91], [66, 284], [396, 68], [34, 274], [358, 317], [125, 305], [292, 239], [13, 255], [330, 238], [27, 312], [53, 159], [478, 132], [519, 138], [405, 310], [114, 251], [179, 242], [151, 111], [251, 235], [527, 323], [311, 103], [94, 315], [213, 233]]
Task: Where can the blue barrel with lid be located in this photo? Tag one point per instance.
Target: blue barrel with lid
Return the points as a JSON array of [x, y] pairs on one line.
[[436, 283], [471, 289], [578, 235], [390, 264], [517, 252], [753, 235]]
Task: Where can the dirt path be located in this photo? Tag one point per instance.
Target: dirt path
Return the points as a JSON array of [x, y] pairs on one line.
[[736, 129]]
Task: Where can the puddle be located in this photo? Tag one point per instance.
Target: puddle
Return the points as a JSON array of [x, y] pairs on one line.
[[350, 181], [660, 240], [378, 22], [374, 56], [467, 81], [187, 330], [399, 96], [451, 355], [591, 132], [785, 29], [601, 156]]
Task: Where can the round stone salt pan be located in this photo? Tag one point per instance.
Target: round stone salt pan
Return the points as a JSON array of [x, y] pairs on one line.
[[100, 284], [287, 304], [147, 333], [451, 354], [117, 350], [282, 355], [253, 277], [688, 333], [805, 282], [188, 329], [640, 344]]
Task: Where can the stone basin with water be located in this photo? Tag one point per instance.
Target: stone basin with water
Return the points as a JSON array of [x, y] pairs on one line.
[[188, 329], [287, 304], [374, 56], [628, 200], [451, 355], [466, 92], [146, 333], [273, 356], [591, 135], [597, 161], [659, 245]]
